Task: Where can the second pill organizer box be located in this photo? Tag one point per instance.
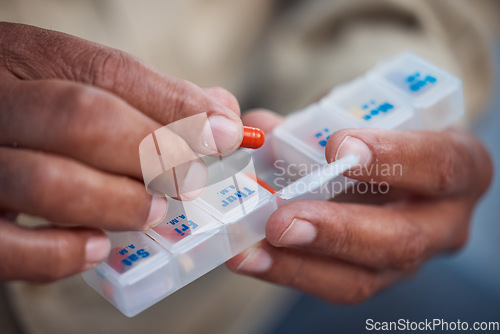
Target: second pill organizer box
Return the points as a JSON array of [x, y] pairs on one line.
[[405, 92]]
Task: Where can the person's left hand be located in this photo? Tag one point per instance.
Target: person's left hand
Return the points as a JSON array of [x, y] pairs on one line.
[[345, 252]]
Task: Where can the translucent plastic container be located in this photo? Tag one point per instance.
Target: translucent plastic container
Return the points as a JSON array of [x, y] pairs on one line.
[[436, 95], [367, 105], [137, 274], [302, 137], [244, 189], [196, 239]]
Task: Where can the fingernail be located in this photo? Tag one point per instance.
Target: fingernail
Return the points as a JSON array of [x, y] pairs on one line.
[[227, 133], [351, 145], [256, 260], [208, 138], [157, 212], [96, 250], [300, 232], [194, 182]]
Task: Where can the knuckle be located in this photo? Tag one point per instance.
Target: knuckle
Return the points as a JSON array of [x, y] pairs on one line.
[[457, 162], [102, 66], [135, 207], [364, 286], [447, 171], [56, 266], [81, 107], [41, 184], [180, 97], [415, 245], [342, 242], [47, 189], [77, 99], [295, 279]]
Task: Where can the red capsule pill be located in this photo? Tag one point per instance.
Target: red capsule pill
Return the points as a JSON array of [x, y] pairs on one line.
[[252, 137]]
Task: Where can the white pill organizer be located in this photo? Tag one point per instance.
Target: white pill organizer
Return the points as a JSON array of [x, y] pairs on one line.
[[244, 189]]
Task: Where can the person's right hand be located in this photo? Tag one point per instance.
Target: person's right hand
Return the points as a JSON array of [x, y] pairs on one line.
[[72, 115]]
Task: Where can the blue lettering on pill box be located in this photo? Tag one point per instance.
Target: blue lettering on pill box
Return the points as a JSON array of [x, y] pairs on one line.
[[132, 255], [373, 109], [123, 251], [132, 258], [234, 195], [416, 82], [190, 225], [322, 136], [182, 224], [176, 219]]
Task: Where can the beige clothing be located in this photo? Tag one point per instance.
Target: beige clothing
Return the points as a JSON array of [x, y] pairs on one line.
[[275, 54]]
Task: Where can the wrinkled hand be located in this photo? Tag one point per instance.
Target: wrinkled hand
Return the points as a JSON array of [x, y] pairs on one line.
[[72, 115], [345, 252]]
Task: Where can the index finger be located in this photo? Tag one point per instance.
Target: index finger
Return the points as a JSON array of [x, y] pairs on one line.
[[378, 237], [36, 53]]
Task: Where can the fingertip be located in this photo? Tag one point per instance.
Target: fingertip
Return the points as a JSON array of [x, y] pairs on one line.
[[291, 226], [254, 260], [97, 249], [299, 232], [279, 222], [263, 119], [226, 127], [354, 146], [157, 211], [232, 263], [194, 182], [227, 132], [333, 144], [350, 141]]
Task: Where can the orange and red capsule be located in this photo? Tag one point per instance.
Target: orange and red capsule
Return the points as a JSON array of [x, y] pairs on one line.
[[252, 137], [255, 138]]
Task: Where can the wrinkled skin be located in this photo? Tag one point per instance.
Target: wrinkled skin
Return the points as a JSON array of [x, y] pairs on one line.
[[72, 115], [348, 250]]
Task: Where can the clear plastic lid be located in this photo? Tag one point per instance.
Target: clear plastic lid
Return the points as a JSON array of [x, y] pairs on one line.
[[367, 105]]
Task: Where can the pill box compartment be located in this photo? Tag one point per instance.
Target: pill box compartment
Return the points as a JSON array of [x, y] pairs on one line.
[[232, 192], [137, 274], [278, 175], [195, 239], [235, 197], [435, 94], [300, 141], [367, 105]]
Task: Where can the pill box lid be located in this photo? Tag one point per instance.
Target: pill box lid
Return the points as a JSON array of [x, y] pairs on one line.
[[316, 179]]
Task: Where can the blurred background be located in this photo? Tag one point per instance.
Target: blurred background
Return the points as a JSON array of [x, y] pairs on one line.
[[282, 55]]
